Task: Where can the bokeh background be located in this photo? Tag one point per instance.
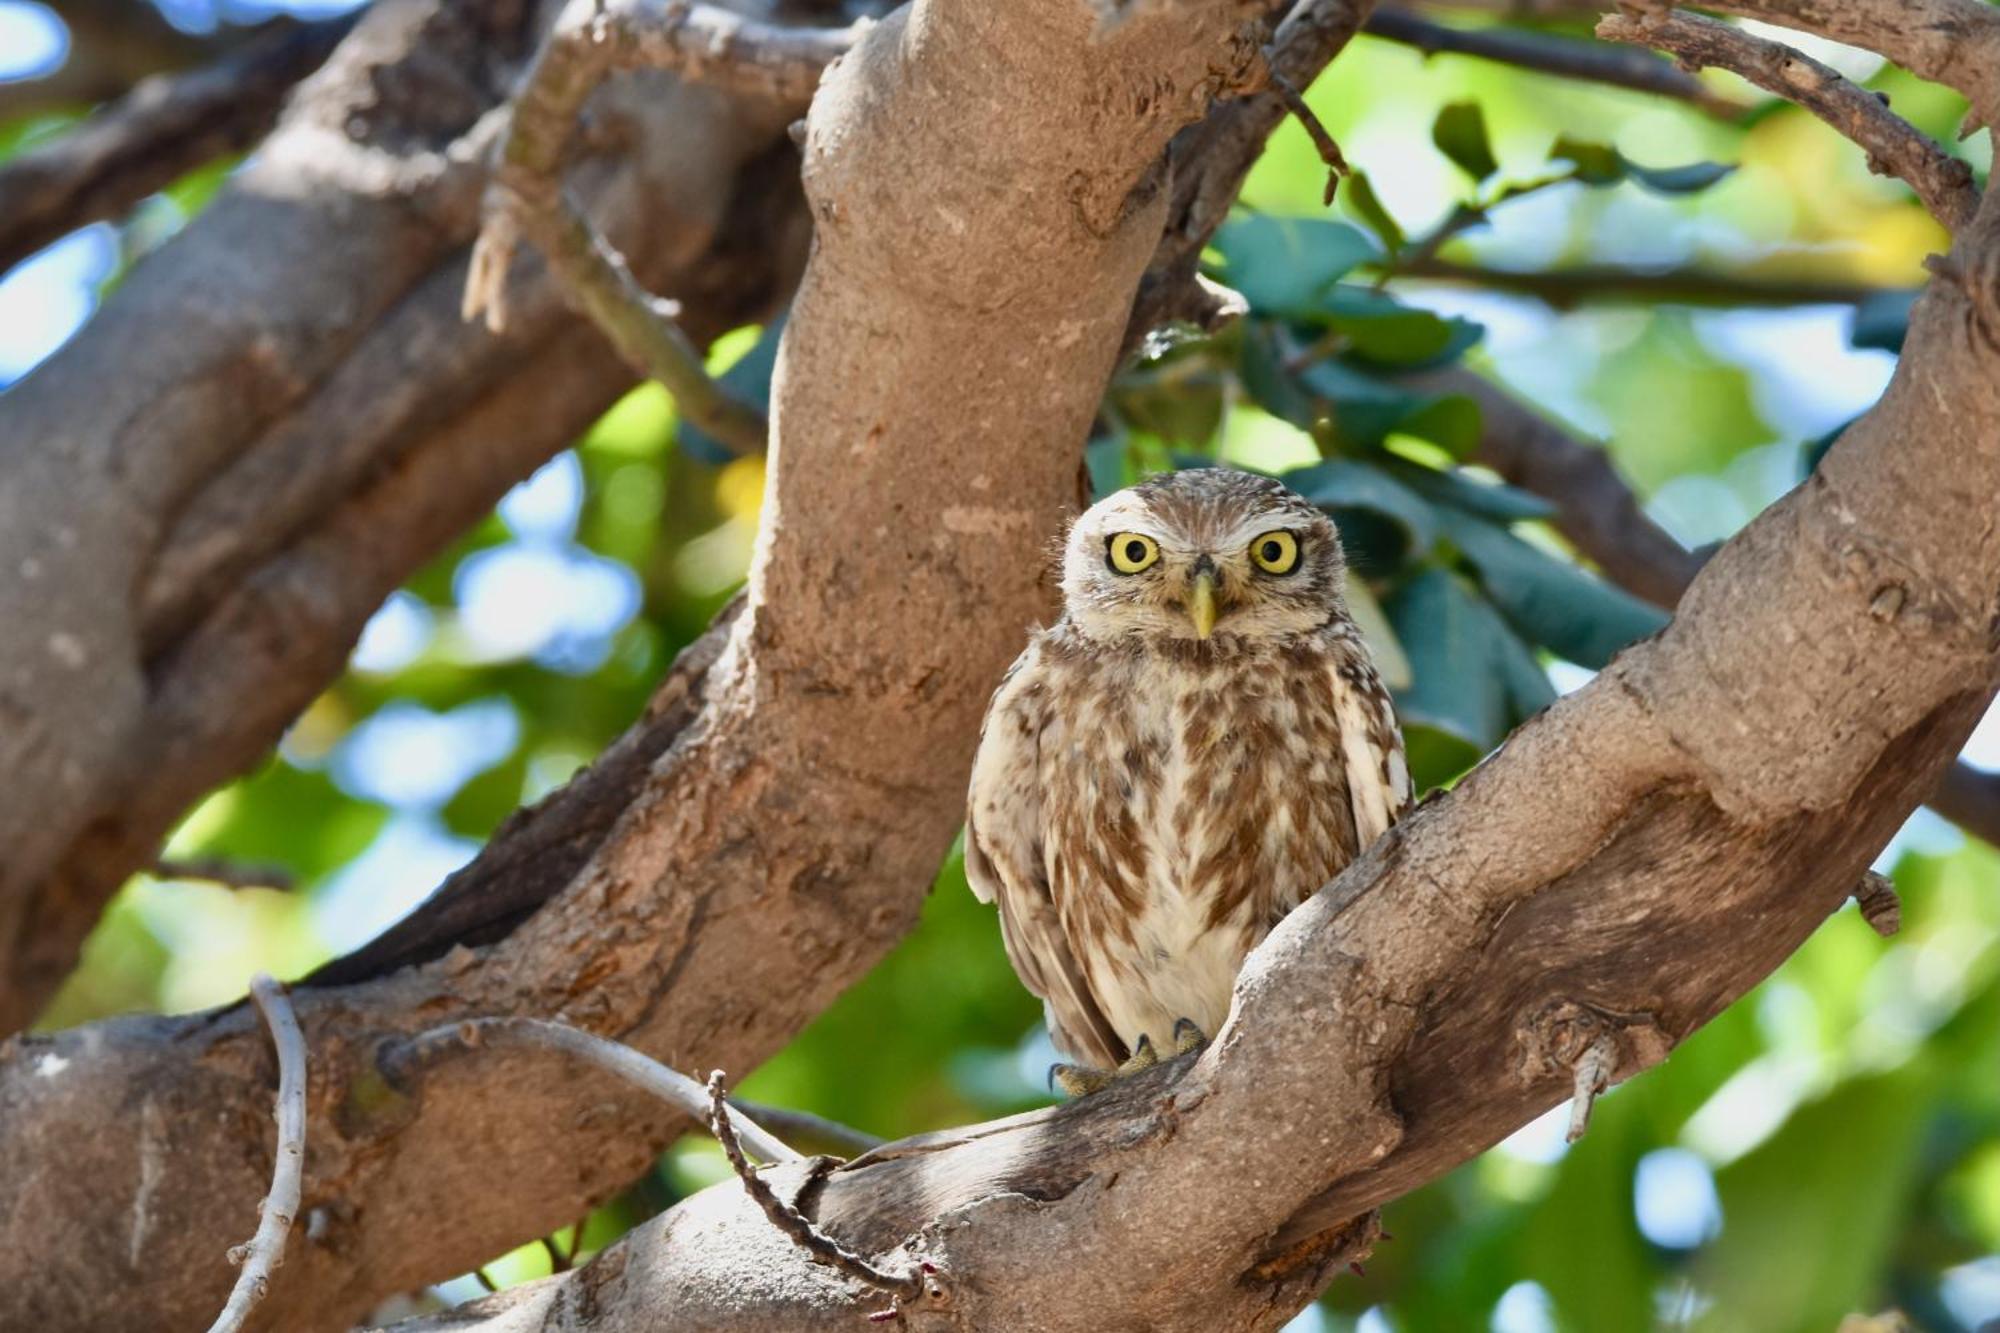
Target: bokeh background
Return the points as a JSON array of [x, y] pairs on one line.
[[1827, 1146]]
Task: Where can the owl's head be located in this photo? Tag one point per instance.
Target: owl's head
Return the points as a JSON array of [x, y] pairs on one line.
[[1206, 552]]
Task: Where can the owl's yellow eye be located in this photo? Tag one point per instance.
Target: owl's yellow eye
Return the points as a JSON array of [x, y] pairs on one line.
[[1276, 552], [1131, 552]]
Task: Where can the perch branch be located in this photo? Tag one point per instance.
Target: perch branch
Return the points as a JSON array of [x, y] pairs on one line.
[[1604, 520], [797, 1227], [266, 1249], [591, 40], [1894, 147], [669, 1085], [1549, 53]]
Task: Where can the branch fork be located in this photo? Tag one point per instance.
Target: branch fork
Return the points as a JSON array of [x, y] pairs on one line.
[[1592, 1046]]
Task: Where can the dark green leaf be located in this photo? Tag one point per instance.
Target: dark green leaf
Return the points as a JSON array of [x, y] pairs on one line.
[[1283, 265], [1460, 134], [1261, 362], [1361, 197], [1552, 602], [1460, 491], [1106, 460], [1601, 164], [1342, 485], [1450, 637], [1882, 321], [1381, 329]]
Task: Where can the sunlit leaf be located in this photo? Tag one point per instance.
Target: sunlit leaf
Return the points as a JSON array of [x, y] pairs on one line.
[[1282, 265], [1460, 134]]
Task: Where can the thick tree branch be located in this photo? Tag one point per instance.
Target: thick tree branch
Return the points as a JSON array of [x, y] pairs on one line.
[[1603, 519], [1548, 53], [165, 127], [1531, 930], [713, 891], [1893, 146], [280, 416]]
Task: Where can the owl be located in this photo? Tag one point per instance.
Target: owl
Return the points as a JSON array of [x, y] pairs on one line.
[[1195, 747]]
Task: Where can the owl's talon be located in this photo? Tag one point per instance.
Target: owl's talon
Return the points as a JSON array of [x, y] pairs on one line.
[[1143, 1057], [1188, 1036], [1079, 1080]]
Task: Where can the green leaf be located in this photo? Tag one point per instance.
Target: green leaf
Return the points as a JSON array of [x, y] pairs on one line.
[[1359, 410], [1107, 464], [1381, 329], [1361, 197], [1457, 489], [1460, 134], [1452, 640], [749, 380], [1882, 321], [1343, 486], [1601, 164], [1553, 603], [1261, 363], [1283, 265]]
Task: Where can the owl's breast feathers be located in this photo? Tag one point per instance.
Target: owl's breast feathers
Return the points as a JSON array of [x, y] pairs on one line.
[[1143, 816]]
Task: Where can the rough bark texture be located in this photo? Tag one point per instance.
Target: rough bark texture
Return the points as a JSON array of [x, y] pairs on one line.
[[280, 416], [783, 836], [1627, 865]]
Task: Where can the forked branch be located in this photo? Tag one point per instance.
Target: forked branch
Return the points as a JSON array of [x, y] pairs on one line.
[[1894, 147]]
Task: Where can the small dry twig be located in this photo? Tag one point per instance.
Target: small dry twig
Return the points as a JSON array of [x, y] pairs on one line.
[[1893, 145], [1295, 102], [1593, 1076], [229, 874], [591, 39], [1880, 907], [642, 1071], [796, 1225], [266, 1249]]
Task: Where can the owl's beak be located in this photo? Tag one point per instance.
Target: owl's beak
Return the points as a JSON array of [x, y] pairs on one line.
[[1201, 603]]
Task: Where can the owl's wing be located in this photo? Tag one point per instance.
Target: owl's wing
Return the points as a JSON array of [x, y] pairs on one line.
[[1006, 865], [1371, 745]]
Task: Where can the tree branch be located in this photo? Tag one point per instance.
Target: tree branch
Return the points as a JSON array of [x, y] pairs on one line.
[[1580, 284], [266, 1249], [1599, 515], [1453, 982], [589, 41], [1894, 148], [1548, 53], [1952, 42], [165, 127]]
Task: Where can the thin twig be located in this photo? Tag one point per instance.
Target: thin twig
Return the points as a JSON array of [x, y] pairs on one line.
[[1593, 1075], [642, 1071], [1549, 53], [229, 874], [803, 1127], [1329, 151], [1880, 907], [796, 1226], [266, 1250], [591, 39], [1893, 145]]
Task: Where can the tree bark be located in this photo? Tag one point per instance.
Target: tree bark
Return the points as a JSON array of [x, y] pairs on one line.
[[1627, 865], [280, 416], [982, 229]]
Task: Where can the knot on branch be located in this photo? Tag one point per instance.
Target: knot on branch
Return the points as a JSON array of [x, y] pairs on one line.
[[1593, 1047], [1880, 907]]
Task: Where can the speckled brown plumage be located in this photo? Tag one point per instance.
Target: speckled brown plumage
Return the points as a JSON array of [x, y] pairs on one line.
[[1149, 800]]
